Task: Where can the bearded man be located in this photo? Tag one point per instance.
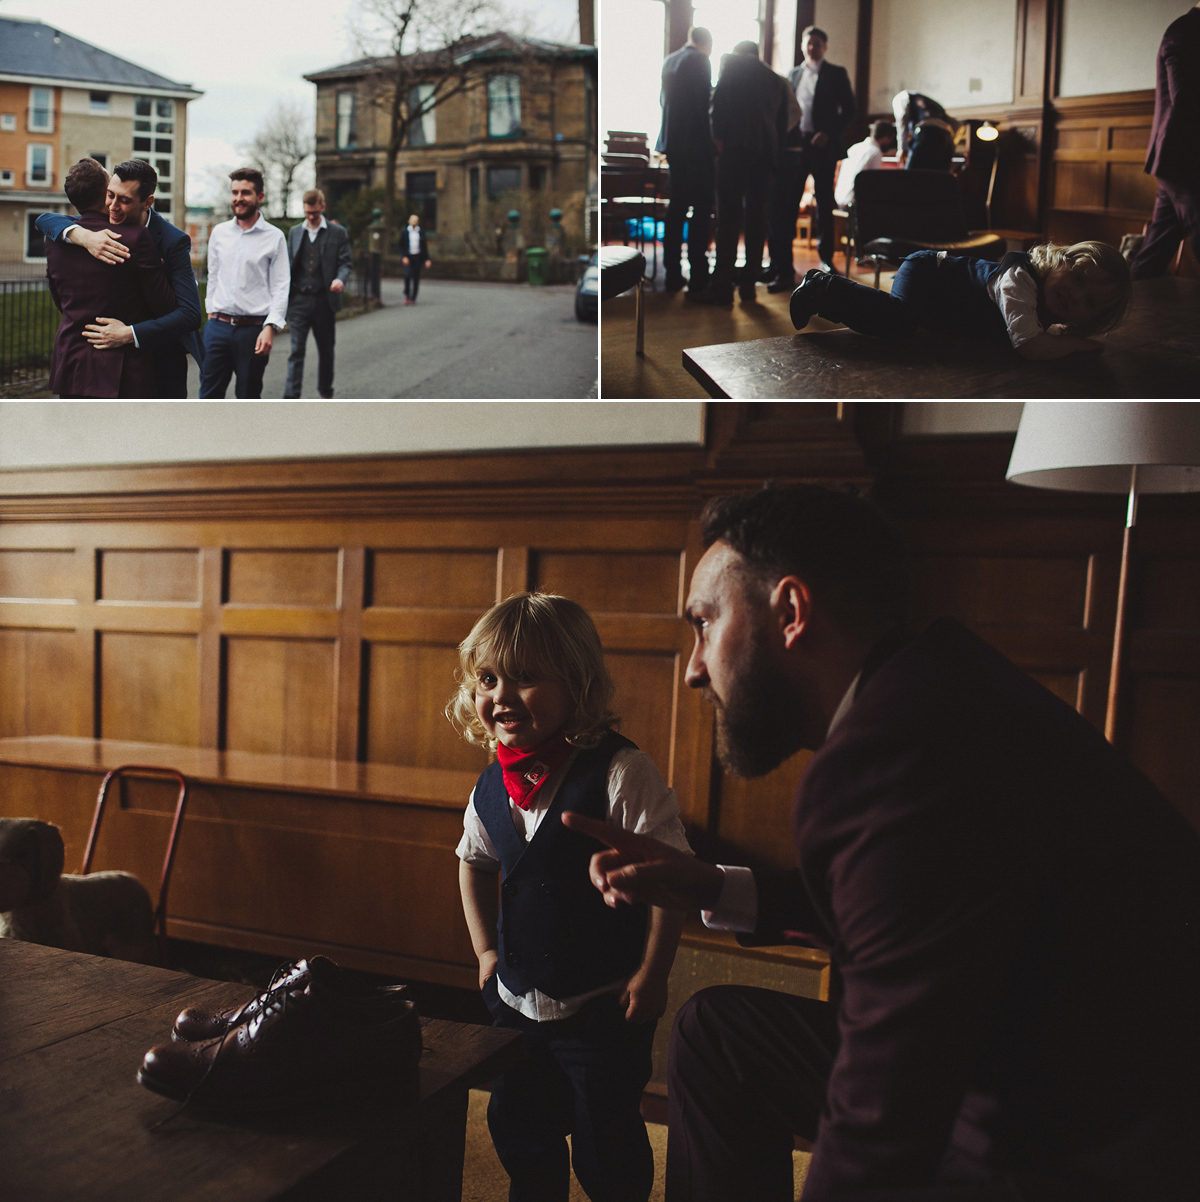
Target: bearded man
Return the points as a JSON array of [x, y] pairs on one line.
[[249, 277], [977, 861]]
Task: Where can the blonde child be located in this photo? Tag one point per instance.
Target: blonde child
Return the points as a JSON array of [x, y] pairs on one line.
[[583, 982], [1049, 302]]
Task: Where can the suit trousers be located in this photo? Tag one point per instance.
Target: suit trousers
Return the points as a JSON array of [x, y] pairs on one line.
[[229, 351], [748, 1071], [171, 375], [581, 1076], [691, 186], [310, 313], [742, 180], [1176, 216], [795, 168], [412, 277]]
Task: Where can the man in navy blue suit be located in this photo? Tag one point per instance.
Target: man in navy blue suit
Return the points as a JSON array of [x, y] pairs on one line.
[[130, 201]]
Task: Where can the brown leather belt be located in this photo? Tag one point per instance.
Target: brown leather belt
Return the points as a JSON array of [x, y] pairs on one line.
[[234, 320]]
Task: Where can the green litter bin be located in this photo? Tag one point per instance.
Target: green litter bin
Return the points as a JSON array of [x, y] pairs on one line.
[[535, 258]]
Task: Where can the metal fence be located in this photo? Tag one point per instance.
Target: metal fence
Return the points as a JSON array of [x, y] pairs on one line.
[[28, 322]]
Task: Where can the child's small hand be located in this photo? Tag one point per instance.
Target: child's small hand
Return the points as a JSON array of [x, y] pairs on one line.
[[645, 997], [487, 967]]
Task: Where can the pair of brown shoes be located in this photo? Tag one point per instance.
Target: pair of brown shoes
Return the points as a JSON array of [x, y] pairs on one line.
[[319, 1033]]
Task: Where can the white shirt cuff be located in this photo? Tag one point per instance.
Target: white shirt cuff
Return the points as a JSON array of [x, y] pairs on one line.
[[133, 331], [737, 906]]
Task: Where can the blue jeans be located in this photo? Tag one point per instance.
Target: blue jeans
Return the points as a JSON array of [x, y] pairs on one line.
[[229, 351], [581, 1076]]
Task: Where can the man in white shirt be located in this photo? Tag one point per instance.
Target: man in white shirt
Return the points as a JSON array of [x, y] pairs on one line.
[[248, 281], [866, 155], [416, 256]]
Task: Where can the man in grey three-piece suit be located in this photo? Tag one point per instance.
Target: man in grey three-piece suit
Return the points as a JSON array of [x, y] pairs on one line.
[[319, 252]]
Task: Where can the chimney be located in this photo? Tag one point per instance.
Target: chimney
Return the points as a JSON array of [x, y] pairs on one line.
[[587, 23]]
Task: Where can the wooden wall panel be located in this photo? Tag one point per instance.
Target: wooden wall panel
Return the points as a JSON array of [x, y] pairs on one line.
[[645, 683], [42, 574], [148, 575], [149, 688], [755, 816], [1162, 724], [450, 579], [308, 578], [983, 590], [612, 582], [280, 696], [408, 686], [28, 660]]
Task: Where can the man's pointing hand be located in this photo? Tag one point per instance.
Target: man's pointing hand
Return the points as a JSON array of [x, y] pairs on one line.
[[640, 869]]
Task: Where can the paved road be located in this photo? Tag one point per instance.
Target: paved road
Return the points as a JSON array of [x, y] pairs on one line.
[[462, 340]]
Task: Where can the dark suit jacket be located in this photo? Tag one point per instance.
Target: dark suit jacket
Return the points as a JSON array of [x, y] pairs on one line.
[[1174, 153], [174, 332], [84, 289], [981, 864], [834, 107], [336, 261], [422, 254], [686, 97], [749, 109]]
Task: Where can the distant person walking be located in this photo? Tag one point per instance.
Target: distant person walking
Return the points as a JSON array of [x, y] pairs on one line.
[[319, 254], [1174, 156], [248, 283], [416, 257], [686, 140]]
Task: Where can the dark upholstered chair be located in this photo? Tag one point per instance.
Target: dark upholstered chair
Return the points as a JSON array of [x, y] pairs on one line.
[[898, 212], [622, 268]]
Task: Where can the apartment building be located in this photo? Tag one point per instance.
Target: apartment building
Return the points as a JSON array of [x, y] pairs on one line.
[[62, 99]]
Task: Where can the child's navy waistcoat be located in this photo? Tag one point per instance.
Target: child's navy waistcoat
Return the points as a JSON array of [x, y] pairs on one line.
[[949, 292], [555, 932]]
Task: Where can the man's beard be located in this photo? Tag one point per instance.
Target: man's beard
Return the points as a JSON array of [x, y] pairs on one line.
[[761, 722]]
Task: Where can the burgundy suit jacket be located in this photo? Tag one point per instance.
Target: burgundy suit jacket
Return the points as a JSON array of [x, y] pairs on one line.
[[1014, 914], [84, 289], [1174, 153]]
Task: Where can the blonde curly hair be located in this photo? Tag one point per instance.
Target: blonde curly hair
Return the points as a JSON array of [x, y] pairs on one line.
[[1090, 258], [544, 636]]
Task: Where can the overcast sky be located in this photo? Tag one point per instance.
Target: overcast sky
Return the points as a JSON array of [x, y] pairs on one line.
[[242, 56]]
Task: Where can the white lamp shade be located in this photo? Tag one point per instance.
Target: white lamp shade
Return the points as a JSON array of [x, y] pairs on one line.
[[1090, 446]]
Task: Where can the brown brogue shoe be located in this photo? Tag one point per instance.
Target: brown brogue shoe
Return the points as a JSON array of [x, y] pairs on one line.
[[309, 1041], [195, 1024]]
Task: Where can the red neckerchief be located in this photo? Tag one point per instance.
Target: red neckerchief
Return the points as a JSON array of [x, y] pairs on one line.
[[525, 771]]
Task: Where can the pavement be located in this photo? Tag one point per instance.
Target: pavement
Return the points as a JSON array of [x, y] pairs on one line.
[[462, 340]]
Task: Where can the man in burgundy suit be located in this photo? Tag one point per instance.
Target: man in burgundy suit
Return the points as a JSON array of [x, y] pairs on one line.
[[1174, 155], [83, 287], [1012, 911]]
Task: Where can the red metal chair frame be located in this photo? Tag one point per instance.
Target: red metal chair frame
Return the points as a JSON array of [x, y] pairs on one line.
[[160, 911]]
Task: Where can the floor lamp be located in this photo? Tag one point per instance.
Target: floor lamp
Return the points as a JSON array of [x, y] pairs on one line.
[[1130, 447]]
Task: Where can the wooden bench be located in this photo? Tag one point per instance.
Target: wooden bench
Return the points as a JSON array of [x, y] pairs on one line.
[[283, 855]]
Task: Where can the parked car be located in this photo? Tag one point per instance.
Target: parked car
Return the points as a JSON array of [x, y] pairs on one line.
[[587, 294]]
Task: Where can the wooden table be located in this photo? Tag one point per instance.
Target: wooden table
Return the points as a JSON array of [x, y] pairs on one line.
[[75, 1124], [1155, 353]]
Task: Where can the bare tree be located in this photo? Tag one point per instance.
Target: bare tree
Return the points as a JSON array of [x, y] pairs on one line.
[[283, 144], [417, 46]]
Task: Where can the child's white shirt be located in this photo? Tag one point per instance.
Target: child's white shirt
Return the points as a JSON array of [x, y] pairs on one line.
[[1016, 292], [639, 800]]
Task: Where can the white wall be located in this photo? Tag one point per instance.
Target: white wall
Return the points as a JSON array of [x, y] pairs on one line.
[[1111, 45], [839, 19], [70, 433], [960, 52], [960, 417]]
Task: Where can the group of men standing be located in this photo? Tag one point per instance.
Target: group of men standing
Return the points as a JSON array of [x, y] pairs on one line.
[[768, 135], [121, 258]]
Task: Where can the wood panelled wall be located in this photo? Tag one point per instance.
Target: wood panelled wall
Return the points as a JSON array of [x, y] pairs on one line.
[[313, 610]]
